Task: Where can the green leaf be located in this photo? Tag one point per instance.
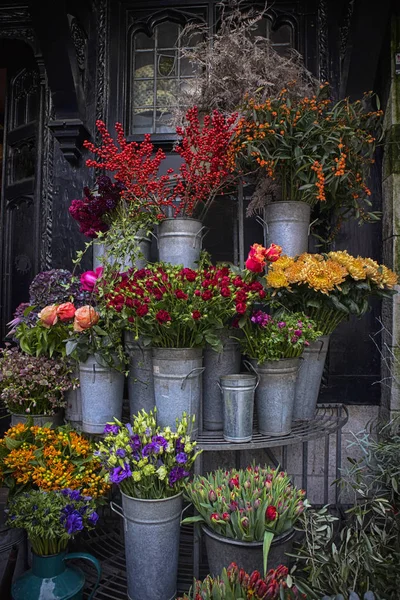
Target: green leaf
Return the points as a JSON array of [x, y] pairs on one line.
[[195, 519], [70, 346], [268, 537]]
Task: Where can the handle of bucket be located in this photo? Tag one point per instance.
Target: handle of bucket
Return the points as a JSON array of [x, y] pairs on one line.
[[118, 510], [185, 509], [261, 221], [199, 233], [154, 236], [94, 561], [200, 369], [310, 225], [251, 368]]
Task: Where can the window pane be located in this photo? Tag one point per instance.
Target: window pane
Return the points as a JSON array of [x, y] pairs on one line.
[[142, 120], [167, 64], [143, 41], [166, 92], [167, 34], [143, 93], [144, 65], [283, 35]]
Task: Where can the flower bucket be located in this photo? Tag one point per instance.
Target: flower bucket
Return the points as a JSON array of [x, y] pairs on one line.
[[221, 551], [180, 241], [216, 365], [287, 225], [309, 379], [50, 577], [237, 393], [144, 244], [11, 539], [102, 390], [275, 394], [39, 420], [177, 385], [152, 529], [73, 404], [140, 378]]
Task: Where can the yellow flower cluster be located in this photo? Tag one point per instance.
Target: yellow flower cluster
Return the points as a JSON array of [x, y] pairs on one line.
[[51, 460], [325, 273]]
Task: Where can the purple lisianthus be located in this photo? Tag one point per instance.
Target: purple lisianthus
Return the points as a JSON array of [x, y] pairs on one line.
[[119, 474], [75, 495], [260, 318], [181, 457], [176, 474], [281, 324], [110, 428], [93, 518], [294, 339], [129, 428], [160, 441], [152, 448], [134, 442], [121, 453], [298, 332], [180, 445], [73, 523]]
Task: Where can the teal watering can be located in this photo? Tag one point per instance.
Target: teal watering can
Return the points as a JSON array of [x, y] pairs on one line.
[[52, 579]]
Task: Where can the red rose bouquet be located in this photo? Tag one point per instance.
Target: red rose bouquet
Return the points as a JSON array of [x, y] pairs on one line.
[[172, 307]]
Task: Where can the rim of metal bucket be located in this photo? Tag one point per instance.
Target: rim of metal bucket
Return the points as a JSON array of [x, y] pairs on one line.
[[150, 500], [282, 537], [249, 375]]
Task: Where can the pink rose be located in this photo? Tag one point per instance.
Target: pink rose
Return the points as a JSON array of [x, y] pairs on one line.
[[85, 318], [89, 279], [66, 311], [48, 315]]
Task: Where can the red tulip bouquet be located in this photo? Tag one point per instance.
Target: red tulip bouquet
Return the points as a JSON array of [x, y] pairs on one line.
[[173, 307]]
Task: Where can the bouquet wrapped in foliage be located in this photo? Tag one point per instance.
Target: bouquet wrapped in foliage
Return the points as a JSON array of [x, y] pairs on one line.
[[269, 338], [95, 211], [52, 518], [145, 461], [171, 307], [236, 584], [244, 504], [32, 385], [204, 173], [315, 150], [49, 459], [329, 287]]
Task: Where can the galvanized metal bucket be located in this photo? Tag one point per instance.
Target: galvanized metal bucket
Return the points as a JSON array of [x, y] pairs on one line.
[[39, 420], [177, 385], [275, 394], [238, 400], [73, 404], [102, 390], [100, 252], [216, 365], [11, 539], [287, 225], [152, 529], [140, 378], [309, 379], [180, 241], [221, 551]]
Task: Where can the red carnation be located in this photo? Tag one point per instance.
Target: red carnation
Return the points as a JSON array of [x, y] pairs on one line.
[[163, 316], [271, 513], [241, 296], [142, 310], [207, 295], [196, 314], [226, 292], [180, 294], [197, 292], [189, 274], [241, 308]]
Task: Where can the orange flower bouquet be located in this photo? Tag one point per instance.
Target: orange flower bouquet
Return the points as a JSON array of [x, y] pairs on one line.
[[312, 150], [49, 459], [328, 287]]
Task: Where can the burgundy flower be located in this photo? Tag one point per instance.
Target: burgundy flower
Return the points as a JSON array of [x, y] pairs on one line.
[[89, 279], [207, 295], [189, 274], [196, 314], [163, 316], [180, 294], [241, 308], [142, 310], [226, 292], [271, 513]]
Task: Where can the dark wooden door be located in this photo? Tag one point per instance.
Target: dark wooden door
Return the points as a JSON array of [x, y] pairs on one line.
[[18, 201]]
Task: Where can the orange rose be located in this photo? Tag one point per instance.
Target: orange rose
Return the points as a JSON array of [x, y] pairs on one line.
[[66, 311], [48, 315], [85, 318]]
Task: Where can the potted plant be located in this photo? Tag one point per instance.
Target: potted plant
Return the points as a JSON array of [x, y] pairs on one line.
[[177, 311], [274, 346], [316, 152], [33, 386], [51, 519], [149, 464], [178, 201], [103, 216], [247, 514], [33, 457], [235, 584], [329, 288]]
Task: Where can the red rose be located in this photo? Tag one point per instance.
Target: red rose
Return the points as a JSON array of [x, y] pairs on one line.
[[273, 253], [207, 295], [226, 292], [196, 314], [262, 294], [66, 311], [197, 292], [189, 274], [163, 316], [142, 310], [241, 296], [271, 513], [241, 308], [180, 294], [255, 266]]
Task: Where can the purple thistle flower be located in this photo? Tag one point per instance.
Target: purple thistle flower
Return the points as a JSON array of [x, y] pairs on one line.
[[121, 453], [118, 474], [181, 457], [176, 474], [110, 428]]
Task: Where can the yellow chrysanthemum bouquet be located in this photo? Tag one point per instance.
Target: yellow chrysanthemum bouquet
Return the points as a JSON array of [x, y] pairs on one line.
[[328, 287]]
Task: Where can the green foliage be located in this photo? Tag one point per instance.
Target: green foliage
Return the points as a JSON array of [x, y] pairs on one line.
[[42, 341]]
